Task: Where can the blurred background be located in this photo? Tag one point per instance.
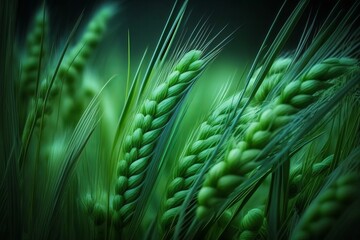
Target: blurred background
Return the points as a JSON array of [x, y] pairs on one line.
[[144, 21]]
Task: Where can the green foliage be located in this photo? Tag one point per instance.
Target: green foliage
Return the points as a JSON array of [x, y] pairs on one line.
[[167, 150]]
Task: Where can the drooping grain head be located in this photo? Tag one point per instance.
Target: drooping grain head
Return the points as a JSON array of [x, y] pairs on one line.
[[226, 175]]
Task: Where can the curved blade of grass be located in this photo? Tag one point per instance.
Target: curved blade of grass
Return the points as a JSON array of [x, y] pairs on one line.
[[41, 51], [11, 219], [127, 106], [80, 136], [24, 150], [278, 198]]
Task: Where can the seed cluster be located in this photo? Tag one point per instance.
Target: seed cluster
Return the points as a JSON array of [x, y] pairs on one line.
[[208, 137], [226, 175], [148, 125]]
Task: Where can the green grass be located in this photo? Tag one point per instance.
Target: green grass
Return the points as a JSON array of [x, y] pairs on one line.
[[177, 142]]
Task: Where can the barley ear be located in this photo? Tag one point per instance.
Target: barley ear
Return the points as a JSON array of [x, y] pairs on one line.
[[72, 68], [148, 124], [228, 174], [321, 215], [71, 71], [208, 137], [34, 52], [32, 63]]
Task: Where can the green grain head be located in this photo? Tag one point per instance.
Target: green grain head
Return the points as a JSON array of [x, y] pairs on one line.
[[228, 174], [148, 125]]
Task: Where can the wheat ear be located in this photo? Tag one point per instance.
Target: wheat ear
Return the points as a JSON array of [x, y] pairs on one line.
[[297, 178], [72, 68], [208, 137], [148, 125], [226, 175], [321, 215], [34, 52]]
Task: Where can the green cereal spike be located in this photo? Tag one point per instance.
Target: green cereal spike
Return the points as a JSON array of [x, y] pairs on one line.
[[71, 72], [72, 68], [291, 98], [33, 53], [208, 137], [321, 215], [148, 125]]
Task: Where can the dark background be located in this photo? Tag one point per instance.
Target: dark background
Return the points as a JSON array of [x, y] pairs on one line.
[[146, 18]]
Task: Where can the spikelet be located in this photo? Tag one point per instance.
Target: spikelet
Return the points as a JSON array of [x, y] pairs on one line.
[[251, 224]]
